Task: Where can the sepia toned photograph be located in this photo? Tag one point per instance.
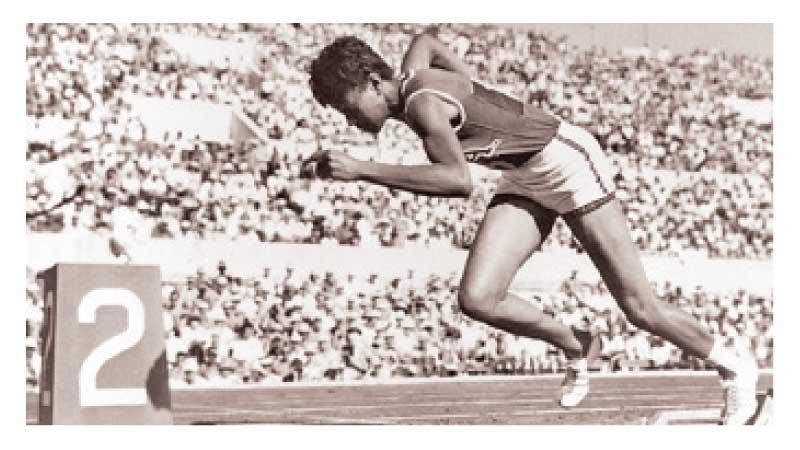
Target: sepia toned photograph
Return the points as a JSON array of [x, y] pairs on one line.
[[399, 223]]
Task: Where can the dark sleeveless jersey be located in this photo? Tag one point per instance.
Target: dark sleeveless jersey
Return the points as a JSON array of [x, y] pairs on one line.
[[494, 129]]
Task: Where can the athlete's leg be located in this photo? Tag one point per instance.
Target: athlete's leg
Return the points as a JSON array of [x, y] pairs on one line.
[[512, 230], [604, 235]]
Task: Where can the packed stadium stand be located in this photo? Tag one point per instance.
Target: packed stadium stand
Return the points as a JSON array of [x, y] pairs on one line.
[[694, 176]]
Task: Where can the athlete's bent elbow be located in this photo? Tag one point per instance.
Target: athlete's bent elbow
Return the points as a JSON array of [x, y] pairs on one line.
[[466, 188], [463, 186]]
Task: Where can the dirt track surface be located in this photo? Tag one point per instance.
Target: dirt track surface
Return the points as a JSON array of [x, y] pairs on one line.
[[615, 400]]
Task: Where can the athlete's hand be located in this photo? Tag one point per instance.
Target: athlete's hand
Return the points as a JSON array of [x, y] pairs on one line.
[[335, 165]]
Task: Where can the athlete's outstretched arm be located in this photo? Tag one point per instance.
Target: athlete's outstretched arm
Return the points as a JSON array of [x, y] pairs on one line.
[[427, 51], [448, 175]]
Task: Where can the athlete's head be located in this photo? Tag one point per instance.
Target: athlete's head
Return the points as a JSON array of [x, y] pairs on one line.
[[348, 75]]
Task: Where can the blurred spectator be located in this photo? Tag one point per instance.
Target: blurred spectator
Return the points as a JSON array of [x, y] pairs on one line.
[[695, 175], [33, 363], [247, 349], [378, 335]]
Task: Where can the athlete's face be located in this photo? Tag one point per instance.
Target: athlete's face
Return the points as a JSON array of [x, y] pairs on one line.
[[366, 108]]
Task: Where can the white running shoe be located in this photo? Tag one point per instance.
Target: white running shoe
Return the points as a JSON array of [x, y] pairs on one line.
[[575, 386], [741, 402]]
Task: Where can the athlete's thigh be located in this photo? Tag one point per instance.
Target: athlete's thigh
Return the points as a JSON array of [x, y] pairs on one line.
[[512, 229], [605, 236]]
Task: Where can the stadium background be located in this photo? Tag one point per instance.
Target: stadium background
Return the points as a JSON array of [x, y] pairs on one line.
[[189, 138]]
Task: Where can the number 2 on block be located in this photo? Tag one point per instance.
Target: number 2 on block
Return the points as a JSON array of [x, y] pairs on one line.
[[90, 395]]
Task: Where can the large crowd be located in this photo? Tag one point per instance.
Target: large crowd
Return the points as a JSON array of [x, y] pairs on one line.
[[693, 175], [290, 325]]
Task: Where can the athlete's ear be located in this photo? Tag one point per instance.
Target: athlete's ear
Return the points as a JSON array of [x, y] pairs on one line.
[[375, 79]]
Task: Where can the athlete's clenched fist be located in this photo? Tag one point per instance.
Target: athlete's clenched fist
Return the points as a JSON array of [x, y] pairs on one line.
[[334, 165]]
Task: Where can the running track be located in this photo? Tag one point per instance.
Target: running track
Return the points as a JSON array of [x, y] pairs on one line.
[[621, 399]]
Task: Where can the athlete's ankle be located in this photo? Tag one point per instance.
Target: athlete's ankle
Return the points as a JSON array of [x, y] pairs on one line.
[[725, 357], [578, 364], [574, 353], [576, 350]]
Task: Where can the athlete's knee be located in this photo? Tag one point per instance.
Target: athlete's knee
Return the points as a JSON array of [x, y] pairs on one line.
[[478, 300], [643, 311]]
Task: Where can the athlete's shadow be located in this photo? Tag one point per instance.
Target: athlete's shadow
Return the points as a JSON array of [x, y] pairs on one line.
[[157, 385]]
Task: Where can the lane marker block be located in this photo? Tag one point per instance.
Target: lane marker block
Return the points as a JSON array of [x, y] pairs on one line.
[[104, 359]]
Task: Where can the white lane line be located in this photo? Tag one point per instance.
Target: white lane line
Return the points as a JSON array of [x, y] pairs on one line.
[[466, 403], [454, 402], [465, 379], [325, 420], [666, 417], [458, 379], [494, 394], [433, 416], [540, 412]]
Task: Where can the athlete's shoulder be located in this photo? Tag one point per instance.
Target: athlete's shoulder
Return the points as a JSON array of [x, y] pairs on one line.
[[427, 113], [435, 79], [429, 93]]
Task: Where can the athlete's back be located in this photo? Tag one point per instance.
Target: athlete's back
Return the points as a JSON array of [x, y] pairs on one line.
[[493, 128]]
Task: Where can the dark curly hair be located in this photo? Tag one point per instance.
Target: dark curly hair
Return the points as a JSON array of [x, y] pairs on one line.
[[344, 65]]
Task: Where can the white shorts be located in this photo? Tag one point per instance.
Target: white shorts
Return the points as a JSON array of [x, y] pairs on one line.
[[571, 175]]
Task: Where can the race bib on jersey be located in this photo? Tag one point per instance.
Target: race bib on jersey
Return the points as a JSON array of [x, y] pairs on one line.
[[482, 154], [488, 156]]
